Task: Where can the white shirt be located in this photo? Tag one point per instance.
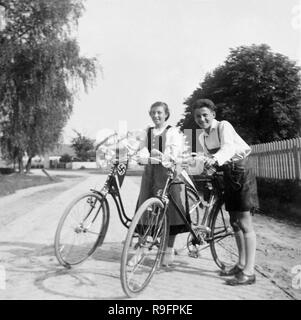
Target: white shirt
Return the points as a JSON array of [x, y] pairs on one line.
[[232, 146]]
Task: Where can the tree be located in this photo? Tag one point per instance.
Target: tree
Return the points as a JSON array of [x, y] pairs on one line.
[[83, 147], [66, 158], [40, 72], [257, 90]]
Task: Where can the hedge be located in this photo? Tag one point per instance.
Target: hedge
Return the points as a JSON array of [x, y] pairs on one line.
[[280, 198]]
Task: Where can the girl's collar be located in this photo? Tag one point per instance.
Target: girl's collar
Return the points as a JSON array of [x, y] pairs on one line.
[[161, 129]]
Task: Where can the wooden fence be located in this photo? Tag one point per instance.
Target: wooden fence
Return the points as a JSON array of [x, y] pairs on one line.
[[278, 160]]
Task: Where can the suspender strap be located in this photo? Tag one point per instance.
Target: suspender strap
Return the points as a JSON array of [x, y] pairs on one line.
[[219, 140], [149, 139], [160, 143], [218, 133], [193, 147]]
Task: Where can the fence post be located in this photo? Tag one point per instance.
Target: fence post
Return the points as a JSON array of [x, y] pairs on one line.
[[259, 161], [297, 165]]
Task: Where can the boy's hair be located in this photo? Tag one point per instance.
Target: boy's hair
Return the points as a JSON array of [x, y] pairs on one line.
[[161, 104], [203, 103]]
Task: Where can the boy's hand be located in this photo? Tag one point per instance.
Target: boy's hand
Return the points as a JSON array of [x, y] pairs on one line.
[[142, 161], [210, 162]]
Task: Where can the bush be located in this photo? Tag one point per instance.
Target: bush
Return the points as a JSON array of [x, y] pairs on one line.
[[7, 170], [65, 158], [280, 198]]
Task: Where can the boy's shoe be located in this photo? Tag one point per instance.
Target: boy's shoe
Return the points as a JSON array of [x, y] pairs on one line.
[[168, 257], [241, 279], [231, 272]]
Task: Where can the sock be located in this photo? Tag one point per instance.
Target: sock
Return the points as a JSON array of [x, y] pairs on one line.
[[250, 245], [171, 241], [240, 242]]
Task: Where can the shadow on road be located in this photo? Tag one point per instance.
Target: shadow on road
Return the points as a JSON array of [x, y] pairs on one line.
[[96, 278]]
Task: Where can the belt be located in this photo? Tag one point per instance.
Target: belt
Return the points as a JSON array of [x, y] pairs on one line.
[[243, 161], [232, 164]]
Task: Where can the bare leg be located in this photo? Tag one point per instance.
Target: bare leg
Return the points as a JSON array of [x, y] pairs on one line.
[[171, 241], [169, 254]]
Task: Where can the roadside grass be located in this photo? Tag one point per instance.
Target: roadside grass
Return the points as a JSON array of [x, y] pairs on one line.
[[289, 212], [12, 182], [9, 183]]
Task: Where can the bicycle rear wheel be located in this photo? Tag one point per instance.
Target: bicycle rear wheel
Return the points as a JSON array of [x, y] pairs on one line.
[[223, 244], [144, 245], [81, 229]]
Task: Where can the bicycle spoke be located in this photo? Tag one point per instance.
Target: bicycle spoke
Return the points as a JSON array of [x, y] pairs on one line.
[[222, 240], [143, 247]]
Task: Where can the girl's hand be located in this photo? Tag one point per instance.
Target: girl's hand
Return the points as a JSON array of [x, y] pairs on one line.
[[142, 161], [156, 153]]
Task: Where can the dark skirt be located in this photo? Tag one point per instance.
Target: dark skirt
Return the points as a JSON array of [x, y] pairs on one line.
[[240, 186], [153, 179]]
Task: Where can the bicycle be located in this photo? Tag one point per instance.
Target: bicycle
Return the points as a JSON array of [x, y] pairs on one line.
[[147, 235], [83, 226]]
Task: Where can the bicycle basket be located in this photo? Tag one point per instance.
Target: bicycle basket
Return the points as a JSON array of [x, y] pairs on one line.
[[195, 168]]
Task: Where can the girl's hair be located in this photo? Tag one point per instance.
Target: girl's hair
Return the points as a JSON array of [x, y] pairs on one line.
[[161, 104], [203, 103]]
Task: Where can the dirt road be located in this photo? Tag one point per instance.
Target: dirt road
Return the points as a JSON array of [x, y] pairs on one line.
[[28, 221]]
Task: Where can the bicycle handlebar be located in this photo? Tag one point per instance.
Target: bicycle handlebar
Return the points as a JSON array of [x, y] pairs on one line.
[[173, 162]]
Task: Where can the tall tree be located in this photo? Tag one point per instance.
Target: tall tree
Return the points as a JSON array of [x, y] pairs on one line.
[[40, 71], [257, 90]]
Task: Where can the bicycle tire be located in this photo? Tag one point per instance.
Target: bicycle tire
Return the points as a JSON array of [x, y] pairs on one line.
[[196, 216], [145, 243], [85, 218], [222, 240]]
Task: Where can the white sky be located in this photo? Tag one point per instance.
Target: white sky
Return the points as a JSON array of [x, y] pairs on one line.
[[154, 50]]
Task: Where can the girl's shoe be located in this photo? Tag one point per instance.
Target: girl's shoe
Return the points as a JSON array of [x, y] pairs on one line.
[[168, 257]]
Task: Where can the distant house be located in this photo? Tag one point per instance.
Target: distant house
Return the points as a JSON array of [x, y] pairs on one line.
[[44, 160], [61, 149], [53, 157]]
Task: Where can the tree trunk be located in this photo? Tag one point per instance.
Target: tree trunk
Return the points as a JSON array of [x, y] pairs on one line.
[[28, 165], [20, 162]]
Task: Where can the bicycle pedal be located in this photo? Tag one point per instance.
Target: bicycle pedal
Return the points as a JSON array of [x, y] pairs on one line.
[[194, 254], [201, 229], [205, 204]]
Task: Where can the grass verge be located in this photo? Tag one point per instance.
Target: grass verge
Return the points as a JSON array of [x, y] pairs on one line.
[[12, 182]]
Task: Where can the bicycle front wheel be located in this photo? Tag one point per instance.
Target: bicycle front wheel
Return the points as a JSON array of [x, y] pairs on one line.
[[196, 207], [223, 244], [81, 229], [143, 247]]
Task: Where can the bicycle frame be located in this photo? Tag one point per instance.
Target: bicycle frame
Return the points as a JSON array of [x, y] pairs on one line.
[[166, 197], [112, 186]]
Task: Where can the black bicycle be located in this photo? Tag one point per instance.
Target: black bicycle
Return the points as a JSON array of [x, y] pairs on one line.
[[147, 235], [84, 223]]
